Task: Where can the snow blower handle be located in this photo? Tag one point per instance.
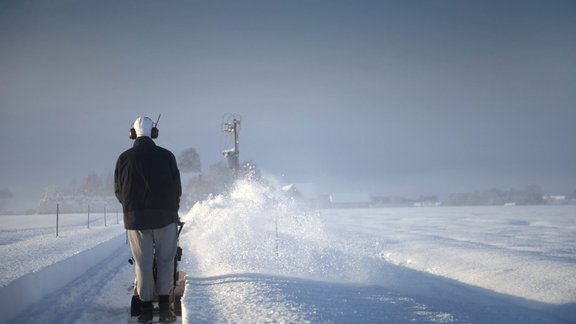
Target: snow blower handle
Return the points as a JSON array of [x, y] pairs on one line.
[[180, 225]]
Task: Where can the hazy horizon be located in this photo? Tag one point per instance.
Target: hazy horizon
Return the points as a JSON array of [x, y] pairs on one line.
[[390, 97]]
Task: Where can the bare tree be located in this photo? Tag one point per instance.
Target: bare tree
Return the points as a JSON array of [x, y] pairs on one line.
[[92, 185], [189, 161]]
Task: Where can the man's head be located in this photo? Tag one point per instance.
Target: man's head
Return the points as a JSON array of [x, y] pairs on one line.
[[143, 126]]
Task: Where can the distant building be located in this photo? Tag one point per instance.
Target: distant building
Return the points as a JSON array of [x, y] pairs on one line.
[[558, 200], [391, 202], [350, 200], [427, 203]]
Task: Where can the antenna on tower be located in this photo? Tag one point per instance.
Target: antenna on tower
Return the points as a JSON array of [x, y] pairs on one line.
[[231, 124]]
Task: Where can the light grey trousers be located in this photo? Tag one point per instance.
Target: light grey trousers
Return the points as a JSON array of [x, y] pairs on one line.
[[147, 245]]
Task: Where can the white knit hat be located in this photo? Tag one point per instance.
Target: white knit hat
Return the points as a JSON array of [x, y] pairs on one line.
[[143, 126]]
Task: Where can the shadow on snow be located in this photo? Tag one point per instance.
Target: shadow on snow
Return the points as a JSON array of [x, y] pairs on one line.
[[401, 296]]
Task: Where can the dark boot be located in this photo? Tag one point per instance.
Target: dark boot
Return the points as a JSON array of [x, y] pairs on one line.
[[166, 313], [147, 312]]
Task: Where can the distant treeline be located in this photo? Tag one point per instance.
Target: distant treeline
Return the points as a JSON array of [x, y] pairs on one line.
[[95, 191], [529, 195]]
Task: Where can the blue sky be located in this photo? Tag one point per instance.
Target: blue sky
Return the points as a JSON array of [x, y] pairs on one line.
[[391, 97]]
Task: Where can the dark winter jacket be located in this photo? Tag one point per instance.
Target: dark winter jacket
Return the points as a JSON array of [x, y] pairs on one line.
[[147, 184]]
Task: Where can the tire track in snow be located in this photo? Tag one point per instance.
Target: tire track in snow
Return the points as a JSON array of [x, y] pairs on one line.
[[101, 295]]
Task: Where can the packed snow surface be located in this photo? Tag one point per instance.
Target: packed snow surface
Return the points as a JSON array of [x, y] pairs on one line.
[[255, 256]]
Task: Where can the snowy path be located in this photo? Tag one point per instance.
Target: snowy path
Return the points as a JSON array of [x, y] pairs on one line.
[[100, 295], [37, 264], [235, 298], [245, 298]]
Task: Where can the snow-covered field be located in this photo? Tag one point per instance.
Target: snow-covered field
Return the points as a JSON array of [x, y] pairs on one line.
[[255, 256]]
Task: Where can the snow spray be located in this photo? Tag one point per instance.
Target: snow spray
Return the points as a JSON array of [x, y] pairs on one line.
[[257, 229]]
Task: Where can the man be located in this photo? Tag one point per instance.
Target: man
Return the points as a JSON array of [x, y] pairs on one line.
[[147, 184]]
